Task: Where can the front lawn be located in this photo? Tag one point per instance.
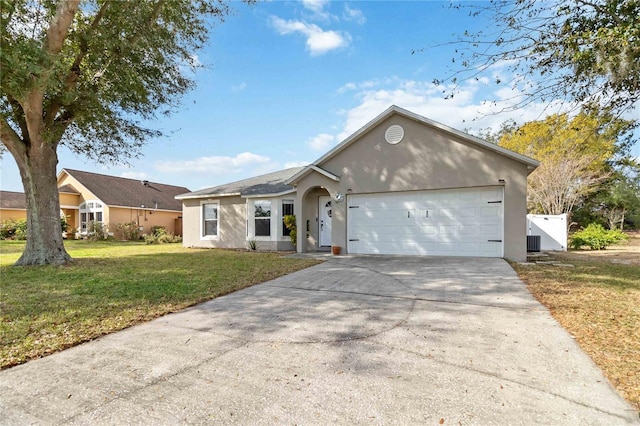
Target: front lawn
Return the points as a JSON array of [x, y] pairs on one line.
[[114, 285], [598, 302]]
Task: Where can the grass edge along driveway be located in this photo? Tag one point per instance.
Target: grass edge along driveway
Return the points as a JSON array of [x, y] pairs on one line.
[[114, 285], [598, 302]]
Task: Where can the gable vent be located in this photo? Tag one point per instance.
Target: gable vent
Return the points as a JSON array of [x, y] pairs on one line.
[[394, 134]]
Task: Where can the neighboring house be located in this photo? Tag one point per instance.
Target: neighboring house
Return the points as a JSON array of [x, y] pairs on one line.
[[13, 205], [402, 184], [91, 197]]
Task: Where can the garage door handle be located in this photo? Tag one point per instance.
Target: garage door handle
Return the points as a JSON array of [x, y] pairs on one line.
[[353, 239], [495, 241]]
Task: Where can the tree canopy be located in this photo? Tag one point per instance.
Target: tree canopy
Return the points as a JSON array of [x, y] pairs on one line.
[[84, 74], [580, 52], [576, 155]]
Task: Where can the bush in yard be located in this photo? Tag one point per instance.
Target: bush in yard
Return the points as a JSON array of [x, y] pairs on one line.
[[14, 228], [96, 231], [160, 235], [129, 231], [17, 228], [596, 237]]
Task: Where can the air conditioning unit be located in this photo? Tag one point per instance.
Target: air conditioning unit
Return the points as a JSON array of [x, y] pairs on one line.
[[533, 242]]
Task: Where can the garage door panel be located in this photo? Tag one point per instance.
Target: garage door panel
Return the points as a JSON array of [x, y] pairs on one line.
[[466, 222]]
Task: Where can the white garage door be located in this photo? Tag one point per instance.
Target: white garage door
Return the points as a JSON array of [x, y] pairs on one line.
[[460, 222]]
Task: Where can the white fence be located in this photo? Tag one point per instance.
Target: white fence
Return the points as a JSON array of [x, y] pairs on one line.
[[552, 230]]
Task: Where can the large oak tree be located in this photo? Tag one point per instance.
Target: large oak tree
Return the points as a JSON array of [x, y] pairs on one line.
[[84, 74]]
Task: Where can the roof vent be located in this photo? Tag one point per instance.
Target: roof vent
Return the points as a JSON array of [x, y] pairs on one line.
[[394, 134], [145, 182]]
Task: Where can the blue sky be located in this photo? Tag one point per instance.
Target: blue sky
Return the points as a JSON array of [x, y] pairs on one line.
[[285, 81]]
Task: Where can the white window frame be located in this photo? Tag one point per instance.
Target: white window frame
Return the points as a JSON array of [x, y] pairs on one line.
[[270, 218], [202, 219], [90, 207]]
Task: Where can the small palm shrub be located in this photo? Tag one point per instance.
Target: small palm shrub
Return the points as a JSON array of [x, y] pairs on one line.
[[596, 237]]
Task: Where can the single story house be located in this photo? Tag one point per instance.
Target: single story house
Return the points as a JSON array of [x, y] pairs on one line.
[[86, 197], [402, 184], [91, 197]]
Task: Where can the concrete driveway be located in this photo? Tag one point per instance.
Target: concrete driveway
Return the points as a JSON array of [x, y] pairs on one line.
[[356, 340]]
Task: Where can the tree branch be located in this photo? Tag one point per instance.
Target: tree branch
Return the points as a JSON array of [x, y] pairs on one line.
[[18, 116], [59, 26], [11, 140], [74, 71]]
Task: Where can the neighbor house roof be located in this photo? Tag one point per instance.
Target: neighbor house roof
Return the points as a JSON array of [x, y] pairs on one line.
[[68, 189], [13, 200], [123, 192], [258, 186], [530, 162]]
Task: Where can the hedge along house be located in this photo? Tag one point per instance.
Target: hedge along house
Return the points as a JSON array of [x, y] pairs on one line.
[[91, 197], [402, 184]]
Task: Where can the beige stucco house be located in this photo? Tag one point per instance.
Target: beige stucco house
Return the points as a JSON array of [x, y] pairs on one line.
[[402, 184]]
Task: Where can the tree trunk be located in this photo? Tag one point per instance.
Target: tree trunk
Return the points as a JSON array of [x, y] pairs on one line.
[[44, 234]]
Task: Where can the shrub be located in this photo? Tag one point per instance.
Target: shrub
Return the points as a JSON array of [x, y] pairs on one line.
[[596, 237], [17, 228], [160, 235], [130, 231], [253, 245], [14, 229], [290, 223], [96, 231]]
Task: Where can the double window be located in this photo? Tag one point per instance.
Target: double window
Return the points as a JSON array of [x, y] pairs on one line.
[[210, 221]]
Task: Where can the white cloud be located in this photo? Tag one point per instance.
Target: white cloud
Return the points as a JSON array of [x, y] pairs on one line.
[[316, 6], [354, 15], [239, 87], [219, 165], [318, 40], [464, 111], [135, 175], [347, 87], [291, 164], [322, 142]]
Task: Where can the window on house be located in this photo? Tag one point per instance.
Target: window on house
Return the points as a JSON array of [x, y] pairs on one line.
[[287, 209], [262, 216], [90, 211], [210, 220]]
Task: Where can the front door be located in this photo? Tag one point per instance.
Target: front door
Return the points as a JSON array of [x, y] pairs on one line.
[[324, 219]]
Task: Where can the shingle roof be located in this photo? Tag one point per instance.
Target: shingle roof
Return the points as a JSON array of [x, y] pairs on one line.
[[268, 184], [13, 200], [117, 191]]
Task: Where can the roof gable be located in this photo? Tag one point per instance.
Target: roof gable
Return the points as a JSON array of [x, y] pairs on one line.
[[123, 192], [259, 186], [531, 163]]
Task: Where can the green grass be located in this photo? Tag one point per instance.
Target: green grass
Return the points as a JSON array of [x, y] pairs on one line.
[[113, 285]]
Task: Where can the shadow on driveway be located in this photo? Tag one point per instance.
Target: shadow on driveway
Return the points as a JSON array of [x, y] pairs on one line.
[[355, 340]]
